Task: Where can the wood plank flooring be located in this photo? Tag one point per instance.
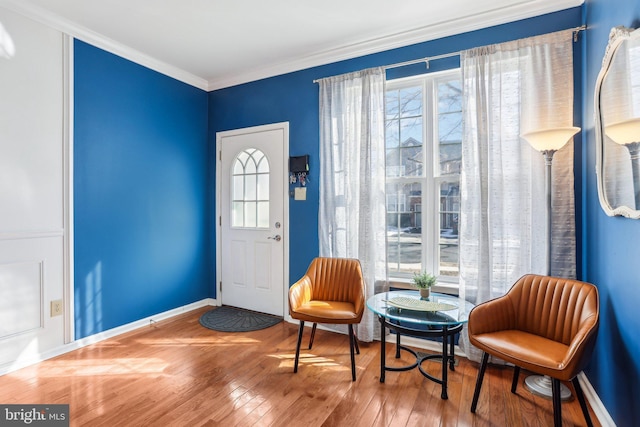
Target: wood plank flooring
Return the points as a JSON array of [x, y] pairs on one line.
[[178, 373]]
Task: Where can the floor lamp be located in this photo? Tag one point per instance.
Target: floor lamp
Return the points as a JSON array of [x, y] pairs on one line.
[[547, 142], [627, 133]]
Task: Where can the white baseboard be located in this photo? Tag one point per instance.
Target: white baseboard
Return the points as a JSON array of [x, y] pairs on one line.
[[92, 339], [430, 345], [594, 401]]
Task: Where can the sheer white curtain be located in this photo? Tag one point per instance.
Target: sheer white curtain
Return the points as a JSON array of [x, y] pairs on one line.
[[352, 220], [510, 89]]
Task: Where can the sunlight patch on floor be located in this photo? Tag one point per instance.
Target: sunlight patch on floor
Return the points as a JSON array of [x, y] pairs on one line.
[[93, 367], [204, 341], [287, 360]]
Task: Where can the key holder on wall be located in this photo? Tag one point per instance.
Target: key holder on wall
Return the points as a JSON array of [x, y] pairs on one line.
[[298, 174], [298, 170]]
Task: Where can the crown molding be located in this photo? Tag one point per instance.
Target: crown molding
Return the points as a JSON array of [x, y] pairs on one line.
[[523, 10], [81, 33]]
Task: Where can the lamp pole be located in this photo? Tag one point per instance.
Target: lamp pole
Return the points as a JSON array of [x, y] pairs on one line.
[[547, 142], [548, 161]]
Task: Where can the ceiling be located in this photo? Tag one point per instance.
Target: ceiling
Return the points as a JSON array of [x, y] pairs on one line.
[[218, 43]]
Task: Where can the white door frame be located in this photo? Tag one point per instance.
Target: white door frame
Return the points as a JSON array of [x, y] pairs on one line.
[[284, 126]]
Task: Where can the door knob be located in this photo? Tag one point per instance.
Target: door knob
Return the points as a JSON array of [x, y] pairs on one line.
[[277, 238]]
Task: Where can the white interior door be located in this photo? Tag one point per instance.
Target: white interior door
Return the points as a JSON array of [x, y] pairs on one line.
[[251, 194], [33, 186]]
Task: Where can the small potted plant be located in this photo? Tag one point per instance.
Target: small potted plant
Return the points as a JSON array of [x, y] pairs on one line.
[[424, 281]]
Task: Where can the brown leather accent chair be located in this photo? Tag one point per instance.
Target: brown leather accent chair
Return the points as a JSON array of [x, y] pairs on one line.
[[546, 325], [331, 291]]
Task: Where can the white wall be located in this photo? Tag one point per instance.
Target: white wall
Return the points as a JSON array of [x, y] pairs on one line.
[[32, 189]]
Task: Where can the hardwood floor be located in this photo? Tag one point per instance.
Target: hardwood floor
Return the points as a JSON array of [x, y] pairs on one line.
[[178, 373]]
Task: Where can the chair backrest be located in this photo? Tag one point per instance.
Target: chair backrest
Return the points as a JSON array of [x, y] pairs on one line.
[[336, 279], [554, 308]]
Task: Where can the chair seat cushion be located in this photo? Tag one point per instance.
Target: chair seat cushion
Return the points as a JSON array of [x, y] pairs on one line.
[[532, 352], [326, 312]]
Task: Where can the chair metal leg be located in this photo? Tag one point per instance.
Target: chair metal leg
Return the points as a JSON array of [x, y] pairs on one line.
[[295, 365], [514, 383], [351, 348], [583, 402], [476, 393], [356, 342], [313, 335], [557, 402]]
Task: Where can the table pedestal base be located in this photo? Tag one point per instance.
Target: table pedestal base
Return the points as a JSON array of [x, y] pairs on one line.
[[447, 333]]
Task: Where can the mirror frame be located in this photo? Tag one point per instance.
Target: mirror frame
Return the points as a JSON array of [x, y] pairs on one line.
[[617, 36]]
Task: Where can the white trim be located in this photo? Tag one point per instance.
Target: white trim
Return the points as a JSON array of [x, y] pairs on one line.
[[32, 234], [81, 33], [596, 404], [523, 10], [67, 185], [92, 339], [617, 36]]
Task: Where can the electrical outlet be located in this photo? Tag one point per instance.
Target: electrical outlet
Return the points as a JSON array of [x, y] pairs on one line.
[[56, 307]]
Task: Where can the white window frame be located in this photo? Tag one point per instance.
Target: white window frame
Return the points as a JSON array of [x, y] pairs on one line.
[[244, 199], [430, 182]]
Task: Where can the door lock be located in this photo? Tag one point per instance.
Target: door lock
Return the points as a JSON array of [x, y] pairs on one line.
[[277, 238]]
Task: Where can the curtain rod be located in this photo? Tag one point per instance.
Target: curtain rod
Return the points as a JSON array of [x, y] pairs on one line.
[[427, 59]]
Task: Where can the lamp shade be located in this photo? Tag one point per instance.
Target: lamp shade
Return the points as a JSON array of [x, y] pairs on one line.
[[551, 139], [625, 132]]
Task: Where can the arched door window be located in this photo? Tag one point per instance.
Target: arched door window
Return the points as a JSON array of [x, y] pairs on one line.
[[250, 192]]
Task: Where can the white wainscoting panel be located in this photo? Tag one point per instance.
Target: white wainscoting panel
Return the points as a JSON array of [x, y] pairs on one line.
[[31, 276], [21, 309]]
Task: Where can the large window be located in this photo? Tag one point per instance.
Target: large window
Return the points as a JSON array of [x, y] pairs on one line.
[[423, 149]]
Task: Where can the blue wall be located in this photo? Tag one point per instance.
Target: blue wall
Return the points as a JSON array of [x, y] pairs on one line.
[[294, 98], [144, 181], [611, 246], [140, 189]]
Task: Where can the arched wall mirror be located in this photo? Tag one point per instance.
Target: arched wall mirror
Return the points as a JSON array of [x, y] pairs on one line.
[[617, 117]]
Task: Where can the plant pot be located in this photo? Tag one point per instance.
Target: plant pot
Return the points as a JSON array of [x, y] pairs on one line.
[[424, 293]]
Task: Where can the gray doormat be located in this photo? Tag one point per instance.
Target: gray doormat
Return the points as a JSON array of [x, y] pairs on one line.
[[231, 319]]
